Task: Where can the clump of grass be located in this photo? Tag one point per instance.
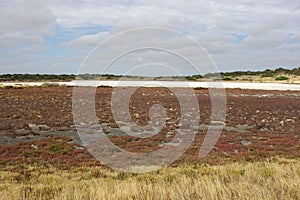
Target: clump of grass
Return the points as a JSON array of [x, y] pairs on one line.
[[48, 84], [7, 87], [58, 148], [276, 179]]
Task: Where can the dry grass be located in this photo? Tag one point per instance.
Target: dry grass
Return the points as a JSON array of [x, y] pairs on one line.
[[276, 179]]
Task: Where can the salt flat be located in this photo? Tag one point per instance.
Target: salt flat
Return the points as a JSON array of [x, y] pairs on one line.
[[241, 85]]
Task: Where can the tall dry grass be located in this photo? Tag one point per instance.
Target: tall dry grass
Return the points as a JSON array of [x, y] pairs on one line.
[[276, 179]]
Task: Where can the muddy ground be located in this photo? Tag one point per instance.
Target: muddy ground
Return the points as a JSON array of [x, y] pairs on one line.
[[37, 126]]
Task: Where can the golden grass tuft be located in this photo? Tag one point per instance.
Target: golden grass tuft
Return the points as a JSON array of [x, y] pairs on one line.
[[276, 179]]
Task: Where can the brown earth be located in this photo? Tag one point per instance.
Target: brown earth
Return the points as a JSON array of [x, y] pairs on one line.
[[37, 127]]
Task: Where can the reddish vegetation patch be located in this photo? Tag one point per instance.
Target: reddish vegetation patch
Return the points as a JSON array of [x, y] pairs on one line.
[[46, 152], [273, 118]]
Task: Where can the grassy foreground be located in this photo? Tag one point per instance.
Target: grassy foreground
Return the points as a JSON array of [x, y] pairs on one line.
[[275, 179]]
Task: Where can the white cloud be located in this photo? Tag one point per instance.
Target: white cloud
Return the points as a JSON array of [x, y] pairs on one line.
[[271, 39], [8, 40], [30, 16], [87, 40], [236, 33]]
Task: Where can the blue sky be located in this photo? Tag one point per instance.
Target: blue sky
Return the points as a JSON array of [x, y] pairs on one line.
[[41, 36]]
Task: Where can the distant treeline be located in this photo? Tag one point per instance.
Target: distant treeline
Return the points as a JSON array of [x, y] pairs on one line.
[[36, 77], [265, 73], [70, 77], [54, 77]]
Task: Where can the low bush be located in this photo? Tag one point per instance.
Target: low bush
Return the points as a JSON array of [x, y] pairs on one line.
[[281, 78], [227, 79]]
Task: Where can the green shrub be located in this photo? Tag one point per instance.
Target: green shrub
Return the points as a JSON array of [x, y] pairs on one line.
[[12, 87], [198, 76], [282, 78], [296, 71], [227, 79], [267, 75], [190, 78], [8, 87], [50, 85]]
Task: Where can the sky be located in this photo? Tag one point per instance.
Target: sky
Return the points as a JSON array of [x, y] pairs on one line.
[[158, 37]]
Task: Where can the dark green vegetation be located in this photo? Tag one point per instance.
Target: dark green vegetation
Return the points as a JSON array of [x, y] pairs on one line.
[[215, 76], [282, 78], [36, 77], [227, 79], [265, 73]]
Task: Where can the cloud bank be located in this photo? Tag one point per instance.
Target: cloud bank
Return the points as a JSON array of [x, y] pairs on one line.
[[36, 35]]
